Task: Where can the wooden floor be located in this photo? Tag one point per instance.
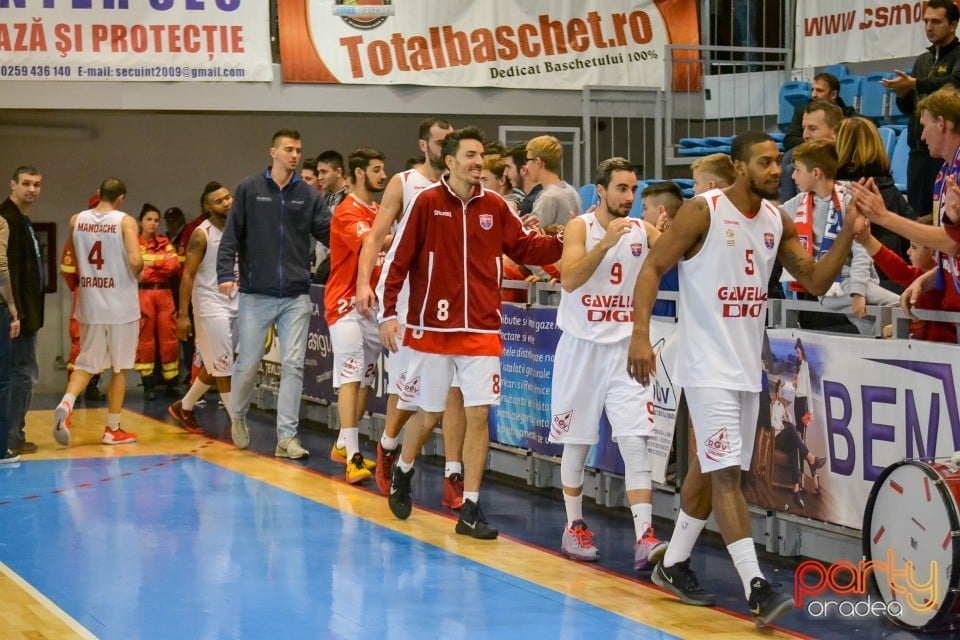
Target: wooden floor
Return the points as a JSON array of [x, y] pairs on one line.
[[27, 613]]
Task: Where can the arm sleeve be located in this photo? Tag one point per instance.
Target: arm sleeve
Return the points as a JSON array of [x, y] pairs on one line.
[[320, 226], [926, 86], [895, 268], [232, 233], [396, 266], [860, 263], [527, 248]]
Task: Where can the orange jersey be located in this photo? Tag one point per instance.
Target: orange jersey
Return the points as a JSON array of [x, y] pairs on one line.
[[352, 221], [161, 265]]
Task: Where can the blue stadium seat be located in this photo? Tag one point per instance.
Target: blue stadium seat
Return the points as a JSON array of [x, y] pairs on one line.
[[874, 97], [836, 70], [792, 94], [692, 152], [850, 88], [588, 196], [692, 142], [889, 137], [718, 141], [894, 114], [684, 183], [898, 162], [636, 211]]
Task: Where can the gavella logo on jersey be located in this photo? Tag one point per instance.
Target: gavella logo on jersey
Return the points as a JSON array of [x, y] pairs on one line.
[[768, 240], [636, 248], [486, 221]]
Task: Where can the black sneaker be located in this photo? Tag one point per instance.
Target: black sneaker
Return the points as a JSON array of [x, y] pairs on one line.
[[399, 500], [682, 582], [472, 523], [767, 605]]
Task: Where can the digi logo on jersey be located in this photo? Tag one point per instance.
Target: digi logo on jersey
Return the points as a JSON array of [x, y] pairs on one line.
[[742, 302], [611, 308]]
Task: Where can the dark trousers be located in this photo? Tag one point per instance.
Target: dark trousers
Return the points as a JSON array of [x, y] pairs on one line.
[[4, 380], [24, 374], [790, 442]]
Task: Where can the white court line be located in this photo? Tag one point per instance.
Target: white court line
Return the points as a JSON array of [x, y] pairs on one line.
[[75, 626]]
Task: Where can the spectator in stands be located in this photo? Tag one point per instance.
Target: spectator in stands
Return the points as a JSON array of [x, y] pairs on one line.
[[520, 177], [861, 154], [939, 65], [308, 172], [817, 212], [714, 171], [330, 178], [825, 87], [821, 119], [661, 201], [558, 202], [921, 261], [495, 179], [940, 122]]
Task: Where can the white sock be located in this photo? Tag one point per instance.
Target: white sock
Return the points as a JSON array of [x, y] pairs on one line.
[[404, 465], [113, 421], [196, 391], [225, 398], [351, 440], [472, 495], [744, 555], [388, 443], [68, 399], [642, 517], [574, 505], [451, 468], [685, 535]]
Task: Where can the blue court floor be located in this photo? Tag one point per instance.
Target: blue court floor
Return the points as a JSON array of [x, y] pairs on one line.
[[186, 537]]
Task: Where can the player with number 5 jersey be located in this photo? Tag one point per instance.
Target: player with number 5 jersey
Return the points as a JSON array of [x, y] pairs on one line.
[[104, 240]]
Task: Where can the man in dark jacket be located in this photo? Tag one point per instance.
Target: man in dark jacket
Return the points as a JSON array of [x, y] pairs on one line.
[[825, 87], [939, 65], [26, 276], [267, 239]]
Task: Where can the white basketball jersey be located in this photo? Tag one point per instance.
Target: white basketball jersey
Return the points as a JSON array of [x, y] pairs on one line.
[[413, 183], [601, 309], [107, 291], [206, 297], [723, 297]]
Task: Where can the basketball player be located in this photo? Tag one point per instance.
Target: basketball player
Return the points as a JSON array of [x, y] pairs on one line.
[[451, 241], [397, 197], [602, 255], [215, 315], [104, 240], [726, 241], [355, 338]]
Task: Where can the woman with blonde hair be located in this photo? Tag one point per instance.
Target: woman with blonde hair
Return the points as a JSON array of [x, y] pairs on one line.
[[862, 155]]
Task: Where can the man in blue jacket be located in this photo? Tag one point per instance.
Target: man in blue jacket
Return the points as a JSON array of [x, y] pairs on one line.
[[265, 254]]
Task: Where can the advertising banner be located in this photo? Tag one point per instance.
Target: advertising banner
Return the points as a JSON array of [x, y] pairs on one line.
[[828, 32], [523, 418], [565, 44], [138, 40], [870, 403]]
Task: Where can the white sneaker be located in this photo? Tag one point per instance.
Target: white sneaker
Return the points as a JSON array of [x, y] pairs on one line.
[[9, 458], [290, 448], [240, 433]]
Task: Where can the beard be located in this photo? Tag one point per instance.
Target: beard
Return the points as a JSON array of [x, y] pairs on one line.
[[761, 190], [615, 210], [372, 188], [435, 161]]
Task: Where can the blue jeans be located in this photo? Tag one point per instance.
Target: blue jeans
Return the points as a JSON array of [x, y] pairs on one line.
[[4, 380], [292, 318], [24, 374]]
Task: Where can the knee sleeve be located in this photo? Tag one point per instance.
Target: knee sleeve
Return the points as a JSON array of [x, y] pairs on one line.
[[636, 462], [572, 462]]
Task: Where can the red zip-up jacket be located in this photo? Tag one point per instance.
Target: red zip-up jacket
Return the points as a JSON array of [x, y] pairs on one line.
[[452, 251]]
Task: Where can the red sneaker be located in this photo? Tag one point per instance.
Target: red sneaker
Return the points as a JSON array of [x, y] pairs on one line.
[[185, 417], [117, 437], [453, 491], [386, 460]]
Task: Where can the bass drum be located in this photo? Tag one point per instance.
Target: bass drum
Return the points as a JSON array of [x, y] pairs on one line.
[[913, 520]]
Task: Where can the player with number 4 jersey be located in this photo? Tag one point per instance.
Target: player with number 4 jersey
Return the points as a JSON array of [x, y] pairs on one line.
[[104, 240]]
